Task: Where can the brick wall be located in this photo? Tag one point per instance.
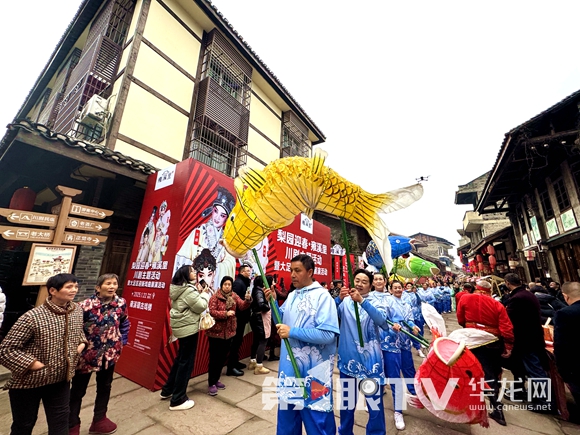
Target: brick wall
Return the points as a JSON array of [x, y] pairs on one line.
[[87, 269]]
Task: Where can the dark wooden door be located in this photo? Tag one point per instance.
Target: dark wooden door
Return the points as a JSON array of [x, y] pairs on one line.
[[563, 264], [117, 256]]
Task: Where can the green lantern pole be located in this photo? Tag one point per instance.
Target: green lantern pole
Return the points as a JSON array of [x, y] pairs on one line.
[[278, 319], [422, 341], [351, 280]]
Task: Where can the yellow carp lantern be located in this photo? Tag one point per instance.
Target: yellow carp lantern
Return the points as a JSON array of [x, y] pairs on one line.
[[270, 199]]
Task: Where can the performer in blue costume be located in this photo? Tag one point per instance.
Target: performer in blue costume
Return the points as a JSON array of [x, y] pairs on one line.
[[437, 292], [414, 301], [380, 283], [426, 295], [396, 347], [357, 364], [446, 298], [310, 322]]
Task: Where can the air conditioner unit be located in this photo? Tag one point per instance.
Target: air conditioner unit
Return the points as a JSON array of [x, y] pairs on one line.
[[93, 112]]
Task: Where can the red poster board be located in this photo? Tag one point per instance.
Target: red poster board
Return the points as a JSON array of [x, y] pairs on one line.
[[184, 209]]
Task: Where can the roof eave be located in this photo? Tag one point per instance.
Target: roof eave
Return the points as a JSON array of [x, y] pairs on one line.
[[495, 172], [85, 13], [210, 10]]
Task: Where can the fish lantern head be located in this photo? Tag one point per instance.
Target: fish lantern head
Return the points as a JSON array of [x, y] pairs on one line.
[[243, 230], [449, 383]]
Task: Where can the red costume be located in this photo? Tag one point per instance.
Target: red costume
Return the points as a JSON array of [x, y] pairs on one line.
[[481, 311], [459, 295]]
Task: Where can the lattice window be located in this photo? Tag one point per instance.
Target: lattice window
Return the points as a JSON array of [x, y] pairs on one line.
[[218, 65], [562, 197], [294, 137], [120, 21], [98, 64], [217, 148], [546, 205]]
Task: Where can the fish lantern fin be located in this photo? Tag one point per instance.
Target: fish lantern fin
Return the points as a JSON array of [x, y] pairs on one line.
[[318, 159], [448, 350], [252, 178]]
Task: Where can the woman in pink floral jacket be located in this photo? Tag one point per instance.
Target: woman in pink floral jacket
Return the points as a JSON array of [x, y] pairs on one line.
[[222, 307], [106, 326]]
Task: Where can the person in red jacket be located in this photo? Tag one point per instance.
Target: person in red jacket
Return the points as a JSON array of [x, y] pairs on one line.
[[480, 311], [222, 307], [466, 289]]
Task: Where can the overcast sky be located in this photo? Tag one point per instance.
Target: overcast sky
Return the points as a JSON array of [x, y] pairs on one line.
[[401, 89]]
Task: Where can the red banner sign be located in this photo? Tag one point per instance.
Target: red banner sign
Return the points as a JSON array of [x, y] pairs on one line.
[[184, 211]]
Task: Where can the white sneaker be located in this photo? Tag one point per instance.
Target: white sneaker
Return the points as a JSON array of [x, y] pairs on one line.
[[399, 422], [185, 405], [421, 354]]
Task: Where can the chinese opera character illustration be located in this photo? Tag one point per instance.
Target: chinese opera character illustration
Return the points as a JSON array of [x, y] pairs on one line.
[[208, 236], [154, 239]]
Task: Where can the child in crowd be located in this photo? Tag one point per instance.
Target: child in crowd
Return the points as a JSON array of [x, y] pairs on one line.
[[106, 327]]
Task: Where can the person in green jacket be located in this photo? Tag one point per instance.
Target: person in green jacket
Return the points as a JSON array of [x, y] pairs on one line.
[[188, 301]]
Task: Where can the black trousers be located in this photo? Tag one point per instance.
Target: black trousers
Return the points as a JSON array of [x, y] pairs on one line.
[[259, 347], [489, 357], [181, 369], [79, 389], [218, 352], [26, 401], [242, 320]]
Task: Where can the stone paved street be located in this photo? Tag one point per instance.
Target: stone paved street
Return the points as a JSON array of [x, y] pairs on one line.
[[238, 411]]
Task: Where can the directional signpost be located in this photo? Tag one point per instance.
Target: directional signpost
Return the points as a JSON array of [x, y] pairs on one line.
[[85, 225], [41, 262], [91, 212], [26, 234], [28, 217], [83, 239]]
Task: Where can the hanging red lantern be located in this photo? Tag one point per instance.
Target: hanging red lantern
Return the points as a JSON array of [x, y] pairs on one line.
[[23, 199], [492, 262], [480, 267], [479, 258], [491, 250]]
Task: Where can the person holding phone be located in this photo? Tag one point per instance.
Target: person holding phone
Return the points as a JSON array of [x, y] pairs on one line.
[[188, 301]]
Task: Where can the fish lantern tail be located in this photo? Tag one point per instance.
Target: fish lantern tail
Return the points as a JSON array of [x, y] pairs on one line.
[[385, 204]]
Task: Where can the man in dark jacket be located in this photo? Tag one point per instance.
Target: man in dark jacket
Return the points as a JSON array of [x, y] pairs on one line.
[[529, 352], [556, 291], [566, 327], [240, 287], [549, 305]]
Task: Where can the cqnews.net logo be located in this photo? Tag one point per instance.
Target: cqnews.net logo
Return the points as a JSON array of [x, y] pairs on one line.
[[303, 392]]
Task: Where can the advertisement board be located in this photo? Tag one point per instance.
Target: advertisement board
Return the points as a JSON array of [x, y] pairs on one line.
[[184, 211]]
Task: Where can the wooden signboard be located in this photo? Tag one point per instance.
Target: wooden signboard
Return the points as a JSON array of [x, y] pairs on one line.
[[86, 225], [28, 217], [26, 234], [83, 239], [91, 212]]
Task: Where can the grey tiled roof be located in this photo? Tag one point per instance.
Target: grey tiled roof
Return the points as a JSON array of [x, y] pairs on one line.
[[87, 147]]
